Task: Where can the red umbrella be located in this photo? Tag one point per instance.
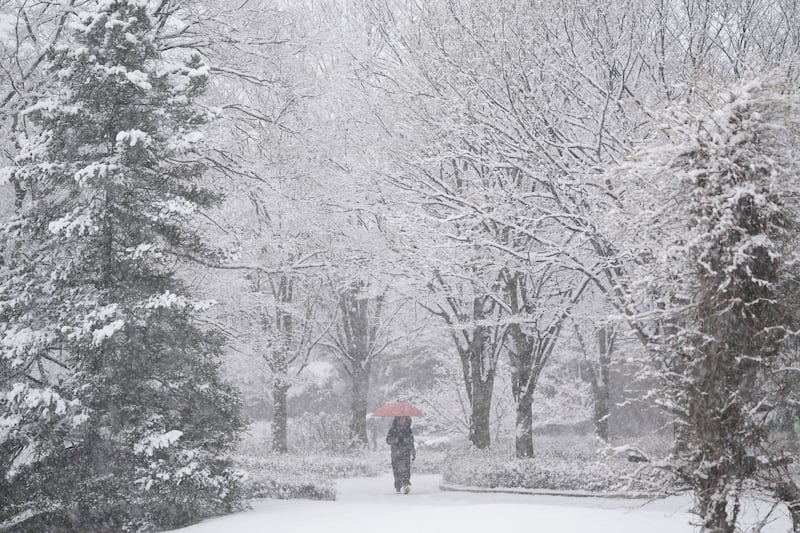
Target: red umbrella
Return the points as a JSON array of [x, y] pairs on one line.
[[397, 409]]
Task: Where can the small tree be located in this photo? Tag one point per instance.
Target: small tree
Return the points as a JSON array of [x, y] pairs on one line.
[[114, 411], [599, 374], [724, 187]]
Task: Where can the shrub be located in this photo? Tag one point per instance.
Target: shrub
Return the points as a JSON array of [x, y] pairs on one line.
[[321, 433], [309, 476], [560, 464]]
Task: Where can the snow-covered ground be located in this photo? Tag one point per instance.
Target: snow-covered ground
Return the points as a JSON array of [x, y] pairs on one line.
[[371, 505]]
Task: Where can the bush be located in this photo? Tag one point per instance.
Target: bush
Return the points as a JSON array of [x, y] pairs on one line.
[[321, 433], [560, 464], [209, 487], [310, 476]]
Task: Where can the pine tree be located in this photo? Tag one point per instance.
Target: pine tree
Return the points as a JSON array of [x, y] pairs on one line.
[[112, 413]]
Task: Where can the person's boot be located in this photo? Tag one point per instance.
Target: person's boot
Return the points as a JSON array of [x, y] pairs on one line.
[[406, 489]]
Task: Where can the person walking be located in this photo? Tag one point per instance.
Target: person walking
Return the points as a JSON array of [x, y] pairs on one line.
[[401, 440]]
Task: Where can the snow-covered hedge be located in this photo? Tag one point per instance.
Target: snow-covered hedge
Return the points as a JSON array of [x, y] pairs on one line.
[[302, 476], [281, 480], [559, 464]]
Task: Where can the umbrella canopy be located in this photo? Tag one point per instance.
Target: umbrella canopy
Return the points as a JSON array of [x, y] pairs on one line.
[[397, 409]]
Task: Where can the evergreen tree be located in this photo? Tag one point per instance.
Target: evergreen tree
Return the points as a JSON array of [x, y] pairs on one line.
[[112, 413], [719, 218]]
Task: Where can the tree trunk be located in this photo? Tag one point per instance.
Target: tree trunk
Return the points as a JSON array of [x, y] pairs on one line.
[[279, 363], [601, 413], [19, 193], [478, 346], [601, 384], [280, 391], [529, 352], [479, 377], [524, 433], [788, 492], [794, 512], [358, 406], [717, 449], [356, 340], [522, 390], [480, 419], [714, 513]]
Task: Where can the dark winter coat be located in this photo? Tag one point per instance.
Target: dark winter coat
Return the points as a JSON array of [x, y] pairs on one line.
[[401, 439]]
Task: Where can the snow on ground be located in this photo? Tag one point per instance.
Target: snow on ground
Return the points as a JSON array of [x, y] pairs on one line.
[[371, 505]]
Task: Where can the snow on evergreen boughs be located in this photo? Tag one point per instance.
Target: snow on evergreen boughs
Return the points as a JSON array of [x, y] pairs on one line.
[[715, 200], [105, 379]]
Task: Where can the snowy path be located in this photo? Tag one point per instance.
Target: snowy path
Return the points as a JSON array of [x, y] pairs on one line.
[[367, 505]]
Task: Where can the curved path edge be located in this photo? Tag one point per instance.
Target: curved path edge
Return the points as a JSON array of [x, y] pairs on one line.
[[552, 492]]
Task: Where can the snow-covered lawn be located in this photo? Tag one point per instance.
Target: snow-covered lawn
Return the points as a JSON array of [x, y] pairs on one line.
[[371, 505]]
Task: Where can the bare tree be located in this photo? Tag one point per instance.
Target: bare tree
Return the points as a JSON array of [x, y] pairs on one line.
[[533, 333], [472, 320], [290, 330], [599, 371], [362, 332], [518, 115]]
